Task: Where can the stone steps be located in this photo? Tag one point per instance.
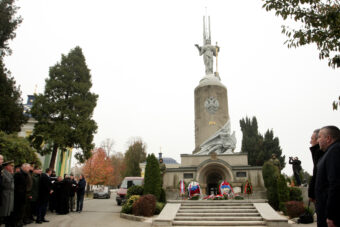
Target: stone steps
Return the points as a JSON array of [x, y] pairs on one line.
[[232, 218], [226, 225], [217, 213], [253, 214], [216, 203], [217, 207], [207, 210], [218, 223]]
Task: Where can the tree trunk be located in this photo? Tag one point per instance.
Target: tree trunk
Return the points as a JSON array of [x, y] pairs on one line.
[[53, 157]]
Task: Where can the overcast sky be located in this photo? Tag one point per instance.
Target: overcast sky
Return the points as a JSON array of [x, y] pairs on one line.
[[145, 67]]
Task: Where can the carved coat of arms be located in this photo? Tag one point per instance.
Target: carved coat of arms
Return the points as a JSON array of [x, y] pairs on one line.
[[211, 104]]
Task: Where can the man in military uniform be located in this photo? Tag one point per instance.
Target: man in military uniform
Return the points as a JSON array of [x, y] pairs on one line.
[[7, 192]]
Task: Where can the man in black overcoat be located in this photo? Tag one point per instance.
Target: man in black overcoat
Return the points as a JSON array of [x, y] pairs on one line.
[[327, 188], [1, 161], [44, 193], [20, 190], [316, 156]]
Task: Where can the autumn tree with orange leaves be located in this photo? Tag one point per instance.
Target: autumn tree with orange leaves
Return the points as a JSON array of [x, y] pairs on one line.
[[98, 169]]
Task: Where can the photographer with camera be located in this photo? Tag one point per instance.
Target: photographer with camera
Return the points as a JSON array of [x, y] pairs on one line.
[[296, 169]]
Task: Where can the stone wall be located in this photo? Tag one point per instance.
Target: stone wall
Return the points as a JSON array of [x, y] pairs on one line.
[[236, 159]]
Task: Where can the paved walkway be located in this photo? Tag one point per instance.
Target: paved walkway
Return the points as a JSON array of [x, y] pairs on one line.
[[96, 212]]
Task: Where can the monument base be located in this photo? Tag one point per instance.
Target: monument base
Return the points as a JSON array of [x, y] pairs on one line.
[[209, 170]]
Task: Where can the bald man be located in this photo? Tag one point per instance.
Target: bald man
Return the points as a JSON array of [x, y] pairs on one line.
[[327, 185]]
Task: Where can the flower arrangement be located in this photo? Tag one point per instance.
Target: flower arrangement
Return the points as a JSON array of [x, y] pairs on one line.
[[248, 188]]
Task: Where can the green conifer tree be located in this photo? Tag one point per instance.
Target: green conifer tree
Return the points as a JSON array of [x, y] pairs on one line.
[[152, 179], [259, 148], [9, 22], [64, 111], [271, 145], [11, 108], [251, 140]]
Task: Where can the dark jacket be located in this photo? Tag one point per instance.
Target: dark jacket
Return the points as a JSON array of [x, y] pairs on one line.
[[316, 155], [44, 188], [20, 187], [296, 165], [73, 188], [327, 185], [35, 187], [81, 187], [0, 182]]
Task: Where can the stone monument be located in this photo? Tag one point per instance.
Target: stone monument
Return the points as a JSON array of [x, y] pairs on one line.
[[213, 159], [212, 122]]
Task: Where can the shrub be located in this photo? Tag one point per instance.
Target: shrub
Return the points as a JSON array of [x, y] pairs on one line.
[[196, 197], [145, 206], [270, 176], [294, 208], [282, 192], [295, 194], [309, 210], [162, 198], [159, 207], [152, 179], [277, 190], [127, 207], [238, 197], [134, 190]]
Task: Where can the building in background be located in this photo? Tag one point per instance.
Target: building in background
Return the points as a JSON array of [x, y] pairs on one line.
[[169, 163], [63, 160]]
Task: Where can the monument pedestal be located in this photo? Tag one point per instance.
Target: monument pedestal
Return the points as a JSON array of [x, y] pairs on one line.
[[211, 108]]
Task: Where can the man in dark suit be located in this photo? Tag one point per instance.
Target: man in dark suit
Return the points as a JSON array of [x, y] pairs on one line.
[[327, 186], [44, 193]]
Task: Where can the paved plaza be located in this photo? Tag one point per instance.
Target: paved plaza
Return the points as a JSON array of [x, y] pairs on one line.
[[96, 212]]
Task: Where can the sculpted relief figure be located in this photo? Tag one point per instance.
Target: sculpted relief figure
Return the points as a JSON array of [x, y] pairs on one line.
[[222, 142]]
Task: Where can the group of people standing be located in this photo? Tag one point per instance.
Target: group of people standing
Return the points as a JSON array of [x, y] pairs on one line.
[[26, 193], [324, 187]]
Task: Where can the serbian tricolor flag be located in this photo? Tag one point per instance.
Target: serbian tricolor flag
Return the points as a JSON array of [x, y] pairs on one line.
[[181, 187], [194, 189], [225, 188]]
